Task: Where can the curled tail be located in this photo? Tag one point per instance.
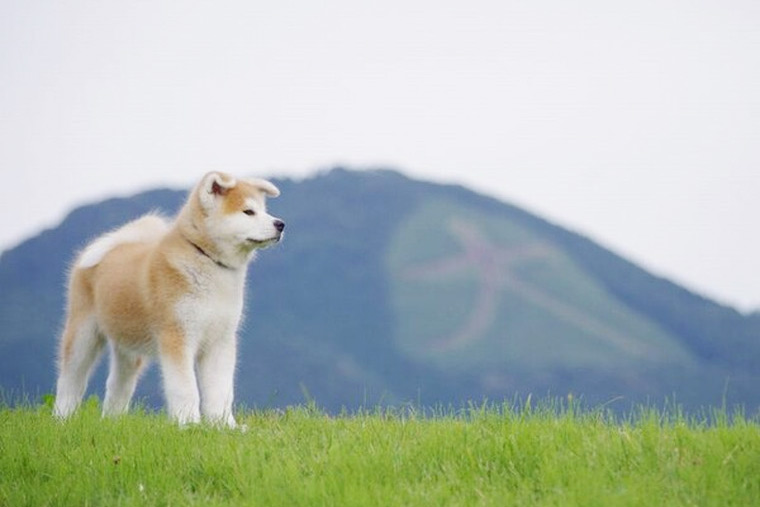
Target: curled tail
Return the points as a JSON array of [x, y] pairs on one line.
[[143, 230]]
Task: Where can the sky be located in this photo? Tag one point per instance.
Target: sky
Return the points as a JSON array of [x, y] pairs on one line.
[[634, 123]]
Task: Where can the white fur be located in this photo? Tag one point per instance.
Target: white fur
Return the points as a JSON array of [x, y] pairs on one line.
[[72, 382], [266, 186], [210, 323], [210, 315]]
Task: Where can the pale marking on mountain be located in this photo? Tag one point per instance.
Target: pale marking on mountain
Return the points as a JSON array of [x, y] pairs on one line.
[[493, 266]]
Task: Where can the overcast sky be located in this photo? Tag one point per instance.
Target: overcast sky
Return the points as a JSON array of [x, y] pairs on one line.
[[636, 123]]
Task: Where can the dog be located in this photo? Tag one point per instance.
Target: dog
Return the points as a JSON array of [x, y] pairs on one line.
[[172, 291]]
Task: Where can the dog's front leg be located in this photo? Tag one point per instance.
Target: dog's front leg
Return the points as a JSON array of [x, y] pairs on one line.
[[216, 371], [180, 385]]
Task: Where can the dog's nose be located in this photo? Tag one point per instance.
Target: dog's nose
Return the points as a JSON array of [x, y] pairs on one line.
[[279, 225]]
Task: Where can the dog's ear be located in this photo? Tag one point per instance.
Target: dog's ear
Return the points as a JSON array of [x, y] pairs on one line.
[[265, 186], [215, 185]]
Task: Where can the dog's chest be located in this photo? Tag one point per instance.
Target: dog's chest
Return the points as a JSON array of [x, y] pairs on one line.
[[213, 307]]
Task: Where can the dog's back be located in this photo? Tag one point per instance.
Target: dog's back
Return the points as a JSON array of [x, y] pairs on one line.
[[147, 229]]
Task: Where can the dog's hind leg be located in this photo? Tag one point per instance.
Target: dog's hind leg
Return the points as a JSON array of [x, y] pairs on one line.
[[124, 371], [81, 346]]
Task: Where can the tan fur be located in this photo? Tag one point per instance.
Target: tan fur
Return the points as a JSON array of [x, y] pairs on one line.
[[135, 292], [234, 201]]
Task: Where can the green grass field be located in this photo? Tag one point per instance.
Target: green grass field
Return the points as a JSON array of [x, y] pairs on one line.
[[490, 455]]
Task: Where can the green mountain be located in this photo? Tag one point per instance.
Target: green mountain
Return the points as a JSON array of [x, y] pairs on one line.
[[390, 290]]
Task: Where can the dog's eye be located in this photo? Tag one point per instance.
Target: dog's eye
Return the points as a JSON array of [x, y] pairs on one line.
[[249, 212]]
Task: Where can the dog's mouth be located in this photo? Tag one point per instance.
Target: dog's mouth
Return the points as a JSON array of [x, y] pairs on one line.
[[258, 243]]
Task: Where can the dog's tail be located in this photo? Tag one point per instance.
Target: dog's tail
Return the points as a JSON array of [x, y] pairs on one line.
[[145, 229]]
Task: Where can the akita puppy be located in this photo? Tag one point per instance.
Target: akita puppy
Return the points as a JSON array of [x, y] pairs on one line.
[[171, 291]]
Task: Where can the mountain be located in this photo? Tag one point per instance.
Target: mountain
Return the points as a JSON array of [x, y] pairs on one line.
[[388, 290]]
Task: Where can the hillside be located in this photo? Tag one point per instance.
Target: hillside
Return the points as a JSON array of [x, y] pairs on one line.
[[389, 290]]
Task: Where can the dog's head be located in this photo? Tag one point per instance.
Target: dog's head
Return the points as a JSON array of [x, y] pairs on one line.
[[231, 216]]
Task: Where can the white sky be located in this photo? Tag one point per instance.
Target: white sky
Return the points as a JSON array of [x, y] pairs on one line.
[[636, 123]]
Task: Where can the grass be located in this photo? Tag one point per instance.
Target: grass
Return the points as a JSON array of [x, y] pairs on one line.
[[485, 455]]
